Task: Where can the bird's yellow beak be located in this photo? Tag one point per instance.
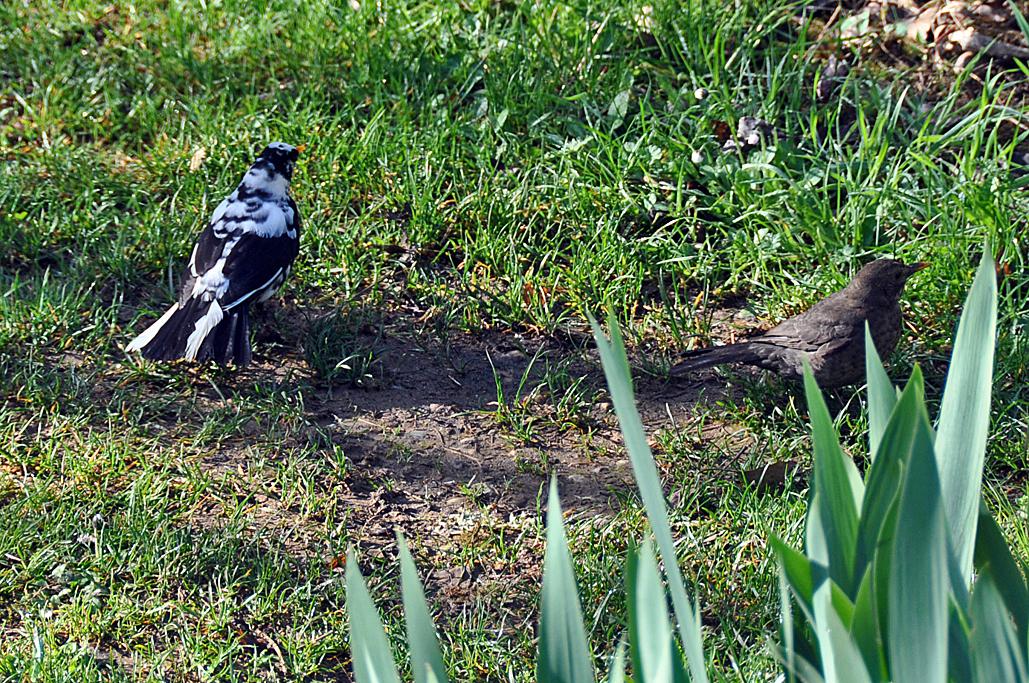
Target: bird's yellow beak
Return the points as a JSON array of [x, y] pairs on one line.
[[301, 148], [921, 265]]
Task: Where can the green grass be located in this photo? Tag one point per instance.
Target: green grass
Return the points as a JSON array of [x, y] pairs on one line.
[[487, 165]]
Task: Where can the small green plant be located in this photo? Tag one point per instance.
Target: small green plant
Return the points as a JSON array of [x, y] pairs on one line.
[[570, 396], [885, 582], [882, 584], [515, 411], [533, 462], [337, 354], [557, 400]]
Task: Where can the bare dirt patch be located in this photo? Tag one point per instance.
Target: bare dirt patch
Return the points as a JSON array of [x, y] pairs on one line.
[[429, 453]]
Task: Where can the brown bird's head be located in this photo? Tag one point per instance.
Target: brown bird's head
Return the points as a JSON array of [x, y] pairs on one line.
[[884, 279]]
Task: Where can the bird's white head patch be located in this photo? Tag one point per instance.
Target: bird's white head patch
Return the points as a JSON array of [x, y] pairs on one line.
[[273, 168]]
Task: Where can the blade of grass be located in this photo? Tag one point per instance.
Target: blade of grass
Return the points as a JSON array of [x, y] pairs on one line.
[[797, 569], [837, 651], [564, 654], [959, 652], [619, 381], [1020, 19], [997, 652], [882, 395], [993, 555], [616, 674], [918, 581], [837, 500], [650, 633], [422, 642], [850, 666], [786, 633], [864, 629], [369, 647], [884, 476], [965, 414]]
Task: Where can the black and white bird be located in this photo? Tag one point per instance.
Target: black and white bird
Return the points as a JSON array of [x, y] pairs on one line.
[[243, 256]]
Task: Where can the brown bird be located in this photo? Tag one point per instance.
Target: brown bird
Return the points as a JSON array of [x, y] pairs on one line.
[[831, 334]]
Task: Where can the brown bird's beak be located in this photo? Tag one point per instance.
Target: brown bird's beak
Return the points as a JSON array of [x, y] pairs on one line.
[[915, 267]]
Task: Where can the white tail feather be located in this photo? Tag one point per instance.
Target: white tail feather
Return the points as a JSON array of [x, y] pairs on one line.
[[203, 328], [149, 333]]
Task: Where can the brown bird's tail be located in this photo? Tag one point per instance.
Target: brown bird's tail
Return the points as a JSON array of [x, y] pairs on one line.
[[699, 359]]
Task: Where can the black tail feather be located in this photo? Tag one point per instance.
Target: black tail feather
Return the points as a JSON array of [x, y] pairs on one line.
[[241, 343], [228, 342], [170, 341], [221, 339]]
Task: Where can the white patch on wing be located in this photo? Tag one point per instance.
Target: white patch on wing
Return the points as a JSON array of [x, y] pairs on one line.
[[149, 333], [213, 282], [273, 225], [228, 246], [219, 211], [193, 260], [203, 327]]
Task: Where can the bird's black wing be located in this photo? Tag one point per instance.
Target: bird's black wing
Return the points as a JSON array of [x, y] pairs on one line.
[[209, 246], [257, 262], [254, 264], [252, 259]]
